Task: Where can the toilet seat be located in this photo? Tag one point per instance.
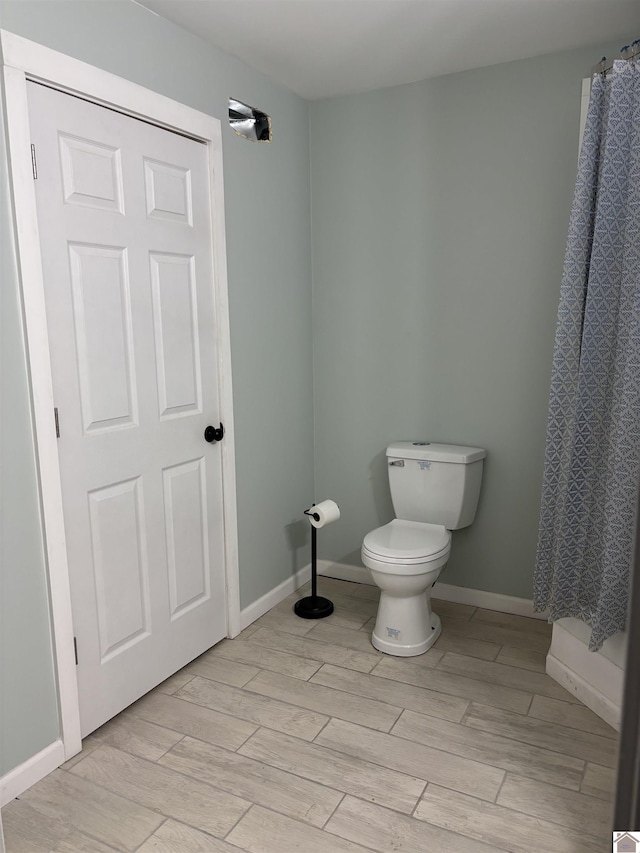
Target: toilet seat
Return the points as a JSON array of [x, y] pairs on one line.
[[411, 544]]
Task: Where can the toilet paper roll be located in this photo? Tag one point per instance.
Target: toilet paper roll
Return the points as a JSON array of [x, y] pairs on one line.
[[327, 511]]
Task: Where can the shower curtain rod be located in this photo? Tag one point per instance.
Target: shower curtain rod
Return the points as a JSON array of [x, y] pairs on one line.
[[628, 52]]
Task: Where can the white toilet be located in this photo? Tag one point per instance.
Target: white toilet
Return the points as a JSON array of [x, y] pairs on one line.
[[434, 489]]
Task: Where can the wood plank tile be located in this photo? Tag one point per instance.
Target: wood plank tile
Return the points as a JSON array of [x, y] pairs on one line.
[[285, 620], [260, 710], [217, 668], [575, 812], [428, 660], [88, 745], [254, 780], [366, 591], [568, 714], [467, 646], [361, 607], [174, 682], [505, 676], [511, 620], [490, 633], [364, 779], [348, 611], [78, 842], [344, 618], [313, 649], [330, 586], [453, 684], [384, 830], [174, 837], [474, 725], [599, 782], [524, 658], [262, 831], [341, 636], [423, 762], [532, 761], [192, 719], [567, 741], [294, 665], [29, 831], [403, 695], [156, 787], [139, 737], [247, 632], [498, 826], [106, 816], [452, 609], [324, 700]]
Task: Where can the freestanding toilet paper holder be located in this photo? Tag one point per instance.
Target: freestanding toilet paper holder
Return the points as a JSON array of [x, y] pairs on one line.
[[313, 606]]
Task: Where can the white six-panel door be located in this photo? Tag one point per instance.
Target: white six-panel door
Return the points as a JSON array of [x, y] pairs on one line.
[[125, 231]]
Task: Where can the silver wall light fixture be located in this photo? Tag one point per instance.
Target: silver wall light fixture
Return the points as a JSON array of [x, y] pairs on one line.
[[249, 122]]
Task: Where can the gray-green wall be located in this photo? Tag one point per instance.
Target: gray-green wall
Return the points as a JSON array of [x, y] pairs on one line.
[[440, 214], [268, 253]]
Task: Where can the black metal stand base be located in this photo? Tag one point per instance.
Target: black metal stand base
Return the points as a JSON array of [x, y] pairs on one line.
[[313, 607]]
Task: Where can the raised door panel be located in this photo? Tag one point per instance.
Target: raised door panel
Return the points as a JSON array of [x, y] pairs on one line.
[[185, 502], [168, 192], [104, 338], [176, 334], [120, 566], [91, 173]]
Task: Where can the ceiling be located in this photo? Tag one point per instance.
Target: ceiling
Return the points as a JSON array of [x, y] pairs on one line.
[[323, 48]]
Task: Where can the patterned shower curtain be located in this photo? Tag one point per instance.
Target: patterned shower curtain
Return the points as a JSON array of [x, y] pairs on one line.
[[592, 460]]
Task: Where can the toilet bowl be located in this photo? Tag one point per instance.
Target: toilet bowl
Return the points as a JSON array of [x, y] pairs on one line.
[[434, 490], [405, 559]]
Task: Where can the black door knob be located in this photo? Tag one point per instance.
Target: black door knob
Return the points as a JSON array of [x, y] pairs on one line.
[[213, 434]]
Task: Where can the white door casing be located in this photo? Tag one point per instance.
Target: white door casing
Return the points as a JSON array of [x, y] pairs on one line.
[[124, 221], [22, 60]]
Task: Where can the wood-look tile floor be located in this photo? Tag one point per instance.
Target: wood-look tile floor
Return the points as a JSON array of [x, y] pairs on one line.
[[299, 736]]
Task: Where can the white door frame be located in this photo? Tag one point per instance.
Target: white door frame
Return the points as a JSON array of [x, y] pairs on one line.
[[26, 60]]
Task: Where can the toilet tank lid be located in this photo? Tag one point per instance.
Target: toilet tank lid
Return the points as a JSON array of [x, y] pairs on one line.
[[433, 452]]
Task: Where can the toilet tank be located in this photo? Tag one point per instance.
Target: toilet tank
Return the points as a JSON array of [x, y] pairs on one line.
[[435, 483]]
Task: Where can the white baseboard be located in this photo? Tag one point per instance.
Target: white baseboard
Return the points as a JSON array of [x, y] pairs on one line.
[[275, 596], [591, 677], [487, 600], [585, 692], [442, 591], [16, 781], [345, 572]]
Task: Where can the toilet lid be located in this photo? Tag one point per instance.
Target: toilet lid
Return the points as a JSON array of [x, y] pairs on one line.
[[407, 542]]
